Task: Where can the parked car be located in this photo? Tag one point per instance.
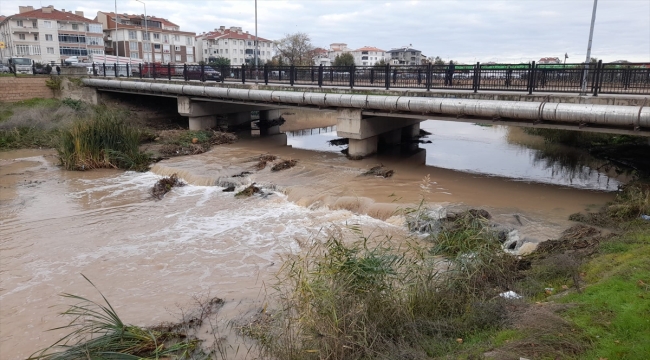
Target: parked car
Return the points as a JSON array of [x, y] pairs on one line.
[[4, 69], [194, 73]]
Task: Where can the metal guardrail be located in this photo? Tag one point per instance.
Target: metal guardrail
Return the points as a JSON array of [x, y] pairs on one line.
[[614, 78]]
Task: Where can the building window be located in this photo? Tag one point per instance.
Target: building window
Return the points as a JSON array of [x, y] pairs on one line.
[[133, 35], [133, 45], [165, 38], [262, 52], [69, 38], [72, 51], [19, 23], [21, 36], [249, 43], [146, 36], [177, 48], [94, 28], [35, 24], [92, 40], [48, 37], [35, 49], [35, 37], [147, 57], [158, 57], [177, 38], [166, 49], [205, 51], [135, 55], [75, 27], [47, 24], [241, 42], [157, 47], [96, 51], [190, 58], [156, 36], [178, 57], [241, 52], [146, 46], [188, 40], [226, 51], [22, 49], [50, 50], [61, 26]]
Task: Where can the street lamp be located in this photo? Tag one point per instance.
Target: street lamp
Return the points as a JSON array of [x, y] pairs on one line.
[[583, 89], [256, 46], [146, 31]]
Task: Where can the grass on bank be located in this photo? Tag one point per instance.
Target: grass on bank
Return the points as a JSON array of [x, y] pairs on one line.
[[105, 140], [85, 136], [97, 332]]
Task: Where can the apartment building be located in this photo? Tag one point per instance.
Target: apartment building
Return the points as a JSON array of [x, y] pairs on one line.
[[48, 35], [234, 44], [404, 56], [368, 56], [152, 39]]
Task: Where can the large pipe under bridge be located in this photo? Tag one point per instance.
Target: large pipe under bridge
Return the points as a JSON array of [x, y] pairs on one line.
[[363, 117]]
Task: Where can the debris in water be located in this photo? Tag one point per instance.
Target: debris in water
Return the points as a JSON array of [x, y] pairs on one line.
[[353, 157], [249, 191], [380, 171], [230, 188], [424, 133], [220, 137], [339, 142], [266, 158], [265, 124], [284, 164], [164, 185], [242, 174]]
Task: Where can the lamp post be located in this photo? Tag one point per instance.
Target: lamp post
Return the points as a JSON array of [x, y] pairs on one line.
[[117, 49], [146, 30], [256, 46], [583, 88]]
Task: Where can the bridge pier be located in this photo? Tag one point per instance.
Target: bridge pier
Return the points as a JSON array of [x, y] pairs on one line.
[[365, 133], [267, 119]]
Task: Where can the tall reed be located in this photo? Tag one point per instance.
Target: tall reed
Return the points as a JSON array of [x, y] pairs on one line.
[[105, 140]]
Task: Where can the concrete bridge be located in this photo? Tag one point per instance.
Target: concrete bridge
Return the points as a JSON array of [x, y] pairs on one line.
[[368, 118]]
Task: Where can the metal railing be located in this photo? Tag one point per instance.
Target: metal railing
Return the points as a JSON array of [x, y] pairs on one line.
[[615, 78]]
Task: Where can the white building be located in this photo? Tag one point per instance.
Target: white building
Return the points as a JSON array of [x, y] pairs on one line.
[[233, 44], [368, 56], [47, 35], [160, 41]]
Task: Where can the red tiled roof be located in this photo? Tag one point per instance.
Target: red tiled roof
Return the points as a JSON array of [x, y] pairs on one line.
[[227, 34], [54, 15], [320, 51], [110, 24], [369, 48], [2, 17], [151, 18]]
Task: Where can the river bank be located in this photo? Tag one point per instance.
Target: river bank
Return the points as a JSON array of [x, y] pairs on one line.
[[153, 259]]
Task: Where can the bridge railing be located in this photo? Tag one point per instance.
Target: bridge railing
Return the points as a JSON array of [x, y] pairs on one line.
[[612, 78]]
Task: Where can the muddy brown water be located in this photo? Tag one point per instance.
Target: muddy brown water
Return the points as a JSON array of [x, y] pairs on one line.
[[151, 258]]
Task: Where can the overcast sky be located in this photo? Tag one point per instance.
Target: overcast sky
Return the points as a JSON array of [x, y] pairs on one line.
[[464, 30]]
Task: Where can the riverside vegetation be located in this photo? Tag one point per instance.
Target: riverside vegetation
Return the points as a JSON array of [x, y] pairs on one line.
[[89, 136], [441, 295], [438, 295]]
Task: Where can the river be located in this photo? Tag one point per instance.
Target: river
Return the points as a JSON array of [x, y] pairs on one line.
[[151, 259]]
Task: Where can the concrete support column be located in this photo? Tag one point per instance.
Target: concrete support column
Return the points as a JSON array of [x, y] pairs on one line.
[[203, 122], [362, 147], [265, 117]]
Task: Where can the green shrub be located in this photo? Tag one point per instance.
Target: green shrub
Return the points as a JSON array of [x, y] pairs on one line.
[[104, 141]]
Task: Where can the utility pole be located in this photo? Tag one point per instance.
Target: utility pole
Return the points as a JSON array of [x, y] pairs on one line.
[[117, 49], [146, 31], [583, 88], [256, 46]]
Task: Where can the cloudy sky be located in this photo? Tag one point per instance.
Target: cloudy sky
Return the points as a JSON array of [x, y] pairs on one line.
[[465, 30]]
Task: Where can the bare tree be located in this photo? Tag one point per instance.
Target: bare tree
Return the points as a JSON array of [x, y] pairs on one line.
[[296, 49]]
